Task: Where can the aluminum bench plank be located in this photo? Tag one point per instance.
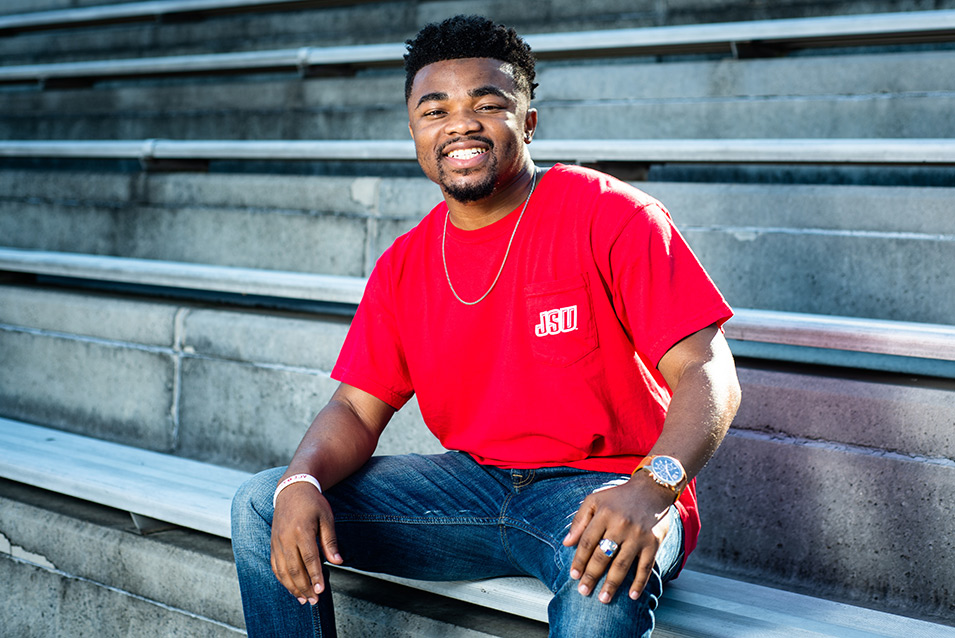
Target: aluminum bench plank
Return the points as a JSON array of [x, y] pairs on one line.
[[138, 11], [908, 26], [851, 30], [794, 612], [698, 604], [875, 151], [168, 488], [523, 596], [159, 149], [245, 62], [899, 338], [751, 151], [243, 281], [180, 491], [197, 495]]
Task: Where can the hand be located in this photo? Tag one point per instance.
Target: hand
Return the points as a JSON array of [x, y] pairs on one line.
[[634, 515], [302, 515]]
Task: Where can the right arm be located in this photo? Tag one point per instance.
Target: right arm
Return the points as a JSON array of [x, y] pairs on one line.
[[340, 440]]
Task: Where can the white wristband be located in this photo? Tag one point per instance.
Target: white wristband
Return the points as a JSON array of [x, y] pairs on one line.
[[295, 478]]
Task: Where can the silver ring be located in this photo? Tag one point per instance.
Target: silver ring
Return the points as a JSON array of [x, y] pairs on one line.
[[608, 547]]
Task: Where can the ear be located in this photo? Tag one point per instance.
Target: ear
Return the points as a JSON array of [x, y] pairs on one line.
[[410, 130], [530, 125]]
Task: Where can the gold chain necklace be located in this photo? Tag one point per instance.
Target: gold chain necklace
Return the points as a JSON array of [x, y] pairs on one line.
[[507, 252]]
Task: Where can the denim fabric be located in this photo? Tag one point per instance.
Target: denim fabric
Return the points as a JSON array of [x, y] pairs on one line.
[[445, 517]]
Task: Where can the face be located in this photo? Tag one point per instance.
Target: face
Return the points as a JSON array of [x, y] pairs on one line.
[[470, 126]]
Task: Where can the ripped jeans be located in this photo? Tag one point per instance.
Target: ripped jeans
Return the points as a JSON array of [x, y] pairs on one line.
[[445, 517]]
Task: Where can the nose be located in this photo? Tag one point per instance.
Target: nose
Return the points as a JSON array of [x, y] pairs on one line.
[[462, 122]]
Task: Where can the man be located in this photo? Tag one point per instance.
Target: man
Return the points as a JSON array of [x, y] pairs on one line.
[[543, 320]]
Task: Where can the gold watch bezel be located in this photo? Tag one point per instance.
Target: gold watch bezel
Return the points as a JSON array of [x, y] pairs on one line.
[[677, 486]]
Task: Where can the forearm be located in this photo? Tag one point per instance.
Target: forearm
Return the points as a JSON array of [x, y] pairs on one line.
[[706, 395], [339, 441]]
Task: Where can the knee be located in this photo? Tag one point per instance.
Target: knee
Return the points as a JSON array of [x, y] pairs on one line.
[[570, 614]]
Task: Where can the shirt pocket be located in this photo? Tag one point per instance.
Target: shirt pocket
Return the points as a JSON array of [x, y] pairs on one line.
[[560, 320]]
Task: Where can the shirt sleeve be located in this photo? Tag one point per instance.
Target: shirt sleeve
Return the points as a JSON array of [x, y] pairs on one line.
[[372, 358], [661, 292]]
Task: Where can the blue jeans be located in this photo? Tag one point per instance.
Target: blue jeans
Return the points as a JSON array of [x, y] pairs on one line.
[[445, 517]]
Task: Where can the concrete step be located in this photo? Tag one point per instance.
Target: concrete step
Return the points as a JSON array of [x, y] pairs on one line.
[[338, 23], [353, 22], [308, 224], [818, 473], [235, 388], [826, 249], [884, 95], [868, 260], [73, 568]]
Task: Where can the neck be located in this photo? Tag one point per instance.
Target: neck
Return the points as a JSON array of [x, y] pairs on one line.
[[497, 206]]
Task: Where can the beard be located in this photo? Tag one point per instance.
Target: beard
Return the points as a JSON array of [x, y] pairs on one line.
[[470, 191]]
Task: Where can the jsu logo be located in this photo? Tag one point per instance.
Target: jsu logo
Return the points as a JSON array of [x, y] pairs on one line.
[[556, 321]]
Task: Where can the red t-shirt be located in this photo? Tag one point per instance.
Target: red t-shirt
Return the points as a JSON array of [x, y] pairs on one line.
[[557, 366]]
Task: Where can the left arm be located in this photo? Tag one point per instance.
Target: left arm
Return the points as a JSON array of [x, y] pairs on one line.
[[706, 394]]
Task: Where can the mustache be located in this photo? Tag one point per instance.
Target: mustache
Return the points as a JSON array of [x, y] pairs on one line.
[[468, 138]]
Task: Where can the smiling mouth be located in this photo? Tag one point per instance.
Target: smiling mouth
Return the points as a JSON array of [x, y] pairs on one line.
[[465, 153]]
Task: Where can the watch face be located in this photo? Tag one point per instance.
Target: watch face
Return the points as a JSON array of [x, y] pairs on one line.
[[667, 470]]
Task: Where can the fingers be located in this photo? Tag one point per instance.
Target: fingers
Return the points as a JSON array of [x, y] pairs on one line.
[[330, 543], [648, 560], [290, 563], [297, 531], [616, 568], [612, 539], [592, 562], [581, 520], [645, 564]]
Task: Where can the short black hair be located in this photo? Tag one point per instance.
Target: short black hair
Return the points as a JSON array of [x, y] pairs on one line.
[[470, 36]]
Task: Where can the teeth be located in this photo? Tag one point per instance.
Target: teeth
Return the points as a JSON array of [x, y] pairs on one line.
[[466, 153]]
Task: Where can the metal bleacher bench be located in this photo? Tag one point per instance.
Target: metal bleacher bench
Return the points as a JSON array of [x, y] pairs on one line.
[[739, 39]]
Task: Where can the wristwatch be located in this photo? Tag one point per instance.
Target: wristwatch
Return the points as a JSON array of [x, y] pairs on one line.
[[665, 470]]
